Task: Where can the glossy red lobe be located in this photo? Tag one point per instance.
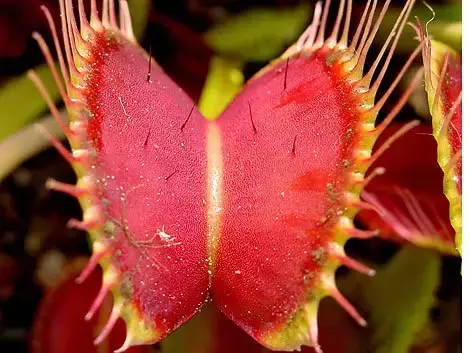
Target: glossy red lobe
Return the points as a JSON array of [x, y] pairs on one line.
[[150, 165], [282, 188]]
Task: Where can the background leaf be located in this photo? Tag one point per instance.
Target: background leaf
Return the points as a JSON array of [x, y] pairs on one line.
[[224, 80], [259, 34], [400, 298], [21, 102]]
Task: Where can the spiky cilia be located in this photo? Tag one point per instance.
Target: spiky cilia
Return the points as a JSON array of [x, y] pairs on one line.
[[252, 210]]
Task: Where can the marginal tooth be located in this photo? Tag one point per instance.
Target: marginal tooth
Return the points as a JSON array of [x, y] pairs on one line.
[[350, 197], [87, 183], [69, 157], [91, 219], [112, 15], [69, 189], [400, 132], [346, 226], [376, 172], [85, 30], [110, 278], [81, 155], [95, 22], [99, 250], [352, 200], [330, 286], [98, 301], [115, 314], [141, 330], [337, 252], [362, 205], [126, 20], [105, 14], [311, 312], [367, 126], [344, 222], [75, 223], [78, 126], [127, 343], [33, 76], [362, 234], [363, 154], [85, 225]]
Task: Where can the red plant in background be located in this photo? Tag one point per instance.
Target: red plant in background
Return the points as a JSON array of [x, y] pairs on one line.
[[409, 199], [60, 326]]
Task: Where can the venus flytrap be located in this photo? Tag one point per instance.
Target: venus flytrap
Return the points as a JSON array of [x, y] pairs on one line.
[[250, 211]]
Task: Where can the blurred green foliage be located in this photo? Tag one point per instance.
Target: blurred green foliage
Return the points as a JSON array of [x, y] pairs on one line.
[[224, 80], [259, 34], [400, 297], [21, 103]]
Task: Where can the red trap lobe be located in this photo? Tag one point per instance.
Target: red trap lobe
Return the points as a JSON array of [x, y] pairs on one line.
[[291, 186], [139, 152]]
